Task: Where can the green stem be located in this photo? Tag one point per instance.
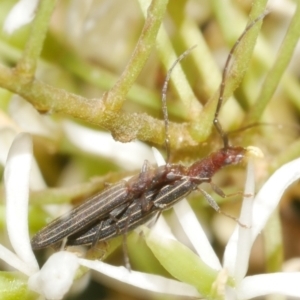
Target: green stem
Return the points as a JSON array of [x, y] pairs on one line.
[[104, 80], [179, 80], [96, 76], [275, 74], [206, 68], [124, 126], [27, 64], [115, 98], [201, 130], [229, 19]]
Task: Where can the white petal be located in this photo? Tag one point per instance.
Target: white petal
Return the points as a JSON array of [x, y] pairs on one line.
[[36, 180], [143, 281], [16, 179], [270, 194], [30, 120], [7, 136], [13, 260], [158, 157], [264, 205], [196, 234], [21, 14], [236, 256], [129, 156], [55, 278], [274, 283]]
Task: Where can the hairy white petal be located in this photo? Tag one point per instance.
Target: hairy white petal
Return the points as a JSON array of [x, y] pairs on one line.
[[55, 278], [140, 280], [129, 156], [16, 179], [21, 14], [274, 283], [236, 256]]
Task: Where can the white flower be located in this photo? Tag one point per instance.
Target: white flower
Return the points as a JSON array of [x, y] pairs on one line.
[[227, 281], [238, 248], [56, 276], [255, 215], [21, 14]]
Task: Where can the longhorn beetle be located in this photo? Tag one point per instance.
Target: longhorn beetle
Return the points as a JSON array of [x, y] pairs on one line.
[[125, 205]]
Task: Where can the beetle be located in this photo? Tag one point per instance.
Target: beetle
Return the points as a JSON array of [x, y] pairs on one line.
[[126, 204]]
